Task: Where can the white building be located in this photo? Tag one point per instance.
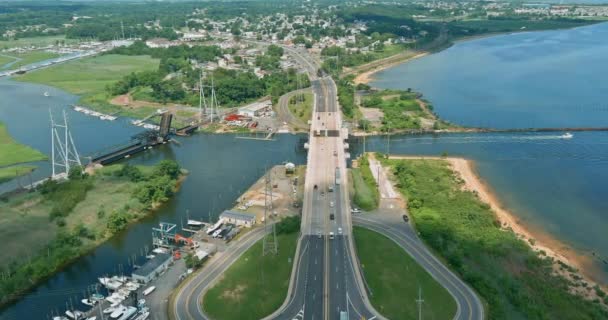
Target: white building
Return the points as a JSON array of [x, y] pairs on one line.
[[238, 218], [255, 109]]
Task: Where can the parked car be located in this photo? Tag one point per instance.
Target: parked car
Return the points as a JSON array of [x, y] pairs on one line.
[[406, 218], [339, 230], [331, 216], [355, 210]]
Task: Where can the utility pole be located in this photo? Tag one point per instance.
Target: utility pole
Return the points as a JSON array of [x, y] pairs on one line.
[[270, 244], [419, 302], [388, 141], [122, 28]]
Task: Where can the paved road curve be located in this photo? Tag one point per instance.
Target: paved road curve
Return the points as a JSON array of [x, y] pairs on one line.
[[469, 305]]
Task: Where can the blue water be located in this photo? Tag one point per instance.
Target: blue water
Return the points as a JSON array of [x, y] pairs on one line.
[[534, 79], [554, 184]]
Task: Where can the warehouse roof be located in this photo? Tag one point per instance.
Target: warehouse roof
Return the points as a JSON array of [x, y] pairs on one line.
[[238, 215], [152, 264]]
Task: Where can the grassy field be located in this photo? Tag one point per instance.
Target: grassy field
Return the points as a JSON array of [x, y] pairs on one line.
[[44, 229], [35, 41], [90, 76], [31, 57], [4, 59], [516, 282], [12, 152], [254, 286], [395, 278], [302, 109], [366, 195], [9, 173], [400, 108]]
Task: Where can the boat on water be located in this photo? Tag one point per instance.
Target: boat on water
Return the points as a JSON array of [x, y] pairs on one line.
[[129, 312], [142, 316], [567, 135], [109, 310], [76, 315], [89, 302], [60, 318], [195, 223], [118, 312], [46, 94]]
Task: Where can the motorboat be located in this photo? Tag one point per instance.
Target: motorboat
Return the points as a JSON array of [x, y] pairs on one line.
[[129, 312], [89, 302], [46, 94], [74, 314], [566, 135], [118, 312], [195, 223], [149, 290], [60, 318], [109, 310], [142, 316]]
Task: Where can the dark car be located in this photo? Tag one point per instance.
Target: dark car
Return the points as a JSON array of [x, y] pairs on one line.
[[315, 187], [406, 218], [331, 216]]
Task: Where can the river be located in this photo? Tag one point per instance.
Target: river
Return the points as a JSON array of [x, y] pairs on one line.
[[553, 184]]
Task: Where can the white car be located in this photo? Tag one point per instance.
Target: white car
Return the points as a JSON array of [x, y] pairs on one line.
[[331, 204], [331, 235], [355, 210], [339, 230]]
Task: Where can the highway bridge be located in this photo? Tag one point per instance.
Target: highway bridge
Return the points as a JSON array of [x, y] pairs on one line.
[[326, 280]]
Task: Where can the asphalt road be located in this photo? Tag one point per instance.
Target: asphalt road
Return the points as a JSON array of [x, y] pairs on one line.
[[469, 306], [188, 302]]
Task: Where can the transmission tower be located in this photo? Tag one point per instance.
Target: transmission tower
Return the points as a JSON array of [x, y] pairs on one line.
[[63, 151], [270, 244], [213, 105]]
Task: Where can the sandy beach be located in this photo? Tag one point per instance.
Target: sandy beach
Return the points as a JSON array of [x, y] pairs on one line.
[[367, 76], [541, 241]]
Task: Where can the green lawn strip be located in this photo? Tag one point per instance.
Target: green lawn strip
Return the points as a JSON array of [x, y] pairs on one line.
[[9, 173], [12, 152], [367, 196], [394, 279], [255, 285], [302, 109], [516, 282]]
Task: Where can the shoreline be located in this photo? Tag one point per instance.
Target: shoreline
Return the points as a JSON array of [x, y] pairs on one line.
[[367, 76], [536, 238]]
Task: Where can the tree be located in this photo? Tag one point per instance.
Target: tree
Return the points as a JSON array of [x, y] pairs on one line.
[[168, 168], [76, 173], [274, 50]]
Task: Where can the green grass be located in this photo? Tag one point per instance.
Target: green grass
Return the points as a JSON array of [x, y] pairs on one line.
[[302, 109], [9, 173], [400, 108], [12, 152], [4, 59], [35, 41], [31, 57], [90, 76], [395, 278], [516, 282], [366, 195], [254, 286]]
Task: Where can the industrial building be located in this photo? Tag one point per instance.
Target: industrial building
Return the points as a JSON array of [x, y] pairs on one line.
[[255, 109], [152, 268], [238, 218]]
